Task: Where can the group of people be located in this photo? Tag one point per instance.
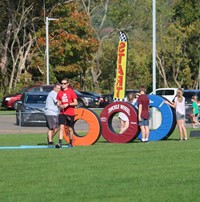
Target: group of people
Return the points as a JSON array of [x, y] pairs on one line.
[[143, 113], [61, 101], [59, 112]]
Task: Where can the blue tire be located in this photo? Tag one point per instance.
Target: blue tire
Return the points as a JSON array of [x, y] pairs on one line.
[[168, 122]]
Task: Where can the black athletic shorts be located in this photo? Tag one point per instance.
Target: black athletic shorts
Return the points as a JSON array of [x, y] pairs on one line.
[[66, 120]]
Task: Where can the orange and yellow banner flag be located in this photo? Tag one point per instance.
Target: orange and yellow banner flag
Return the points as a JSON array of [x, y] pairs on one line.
[[120, 82]]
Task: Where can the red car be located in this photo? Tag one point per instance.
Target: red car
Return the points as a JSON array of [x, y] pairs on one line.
[[10, 101]]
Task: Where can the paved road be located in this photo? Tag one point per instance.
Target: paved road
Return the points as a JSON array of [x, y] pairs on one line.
[[8, 126]]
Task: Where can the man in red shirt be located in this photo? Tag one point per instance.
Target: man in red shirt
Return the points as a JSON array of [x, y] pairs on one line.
[[67, 100], [143, 114]]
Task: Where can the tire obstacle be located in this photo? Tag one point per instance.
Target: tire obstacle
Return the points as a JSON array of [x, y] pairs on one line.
[[108, 114], [103, 125], [94, 125], [166, 128]]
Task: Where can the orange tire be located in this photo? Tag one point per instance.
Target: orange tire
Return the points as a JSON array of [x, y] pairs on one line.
[[94, 124]]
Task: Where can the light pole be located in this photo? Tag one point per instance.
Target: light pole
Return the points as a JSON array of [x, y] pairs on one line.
[[154, 44], [47, 46], [155, 115]]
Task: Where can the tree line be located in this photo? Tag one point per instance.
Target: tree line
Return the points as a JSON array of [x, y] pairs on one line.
[[83, 43]]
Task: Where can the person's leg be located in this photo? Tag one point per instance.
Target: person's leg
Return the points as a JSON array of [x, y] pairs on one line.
[[71, 133], [184, 129], [50, 136], [62, 129], [62, 123], [54, 132], [143, 133], [125, 126], [146, 133], [180, 129], [197, 122], [60, 136], [193, 121], [49, 123], [55, 125], [146, 127], [71, 130], [121, 126]]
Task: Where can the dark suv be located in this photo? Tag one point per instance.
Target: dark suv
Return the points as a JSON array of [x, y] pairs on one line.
[[188, 103], [30, 109]]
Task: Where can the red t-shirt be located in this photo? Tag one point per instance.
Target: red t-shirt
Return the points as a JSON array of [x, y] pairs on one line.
[[144, 101], [67, 97]]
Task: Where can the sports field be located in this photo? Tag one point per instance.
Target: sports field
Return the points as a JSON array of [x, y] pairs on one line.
[[156, 171]]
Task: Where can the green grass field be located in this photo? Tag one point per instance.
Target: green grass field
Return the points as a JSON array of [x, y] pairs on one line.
[[156, 171]]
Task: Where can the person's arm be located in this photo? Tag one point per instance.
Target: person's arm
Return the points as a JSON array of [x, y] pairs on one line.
[[74, 98], [139, 112], [59, 104], [55, 101], [74, 103], [172, 104]]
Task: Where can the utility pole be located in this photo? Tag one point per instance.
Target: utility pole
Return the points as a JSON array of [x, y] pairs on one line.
[[47, 46]]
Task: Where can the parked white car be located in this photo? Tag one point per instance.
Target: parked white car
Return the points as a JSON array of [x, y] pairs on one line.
[[168, 93]]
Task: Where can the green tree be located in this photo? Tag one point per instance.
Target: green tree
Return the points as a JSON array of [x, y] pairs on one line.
[[178, 46], [71, 44], [134, 17], [17, 25]]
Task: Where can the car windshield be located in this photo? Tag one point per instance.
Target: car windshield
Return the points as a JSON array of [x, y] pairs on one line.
[[77, 92], [35, 99], [95, 94], [90, 93], [23, 90]]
